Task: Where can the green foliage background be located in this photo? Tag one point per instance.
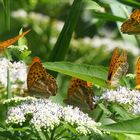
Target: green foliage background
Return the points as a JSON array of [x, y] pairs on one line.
[[51, 41]]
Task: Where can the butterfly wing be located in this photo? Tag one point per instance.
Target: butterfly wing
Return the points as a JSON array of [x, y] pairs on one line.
[[114, 59], [120, 68], [39, 82], [9, 42], [135, 15], [80, 94], [132, 25], [138, 74]]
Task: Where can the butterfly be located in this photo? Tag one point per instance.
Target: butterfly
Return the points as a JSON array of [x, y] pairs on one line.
[[80, 94], [118, 67], [9, 42], [132, 25], [138, 74], [39, 82]]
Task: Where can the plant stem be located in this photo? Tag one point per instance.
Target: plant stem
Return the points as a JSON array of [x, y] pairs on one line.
[[9, 93]]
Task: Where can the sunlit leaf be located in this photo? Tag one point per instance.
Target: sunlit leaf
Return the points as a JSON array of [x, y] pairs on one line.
[[130, 126], [94, 74]]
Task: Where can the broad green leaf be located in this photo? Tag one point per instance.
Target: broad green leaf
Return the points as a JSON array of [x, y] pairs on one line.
[[130, 126], [94, 74]]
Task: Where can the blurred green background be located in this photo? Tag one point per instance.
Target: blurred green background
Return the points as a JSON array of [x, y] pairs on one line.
[[95, 35], [95, 32]]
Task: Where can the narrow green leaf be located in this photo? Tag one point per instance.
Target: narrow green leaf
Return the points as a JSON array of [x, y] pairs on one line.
[[95, 74], [131, 3], [130, 126], [7, 13], [67, 126], [62, 44], [107, 16]]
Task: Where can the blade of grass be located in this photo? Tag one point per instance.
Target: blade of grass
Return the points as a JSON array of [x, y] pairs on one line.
[[62, 44], [7, 13], [107, 16], [131, 3]]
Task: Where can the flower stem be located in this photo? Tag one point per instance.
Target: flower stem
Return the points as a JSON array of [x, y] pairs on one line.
[[9, 93]]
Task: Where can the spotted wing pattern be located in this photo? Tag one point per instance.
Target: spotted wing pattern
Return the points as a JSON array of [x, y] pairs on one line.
[[138, 74], [119, 68], [80, 94], [132, 25], [39, 82]]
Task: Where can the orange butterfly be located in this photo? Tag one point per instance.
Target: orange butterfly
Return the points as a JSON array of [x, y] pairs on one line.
[[80, 94], [9, 42], [132, 25], [138, 74], [39, 82], [118, 67]]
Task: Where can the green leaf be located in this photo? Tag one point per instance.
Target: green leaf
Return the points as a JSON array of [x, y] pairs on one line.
[[62, 44], [131, 3], [92, 5], [107, 16], [41, 134], [7, 13], [94, 74], [130, 126], [67, 126]]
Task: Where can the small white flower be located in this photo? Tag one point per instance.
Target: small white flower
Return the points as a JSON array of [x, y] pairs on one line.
[[124, 96], [46, 114], [17, 74]]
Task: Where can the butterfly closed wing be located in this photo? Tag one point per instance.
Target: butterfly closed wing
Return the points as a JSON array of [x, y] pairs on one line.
[[132, 25], [138, 74], [39, 82], [118, 67], [80, 94], [9, 42]]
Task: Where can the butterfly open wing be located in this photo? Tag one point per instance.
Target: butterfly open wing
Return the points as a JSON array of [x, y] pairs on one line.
[[138, 74], [39, 82], [80, 94], [132, 25], [9, 42]]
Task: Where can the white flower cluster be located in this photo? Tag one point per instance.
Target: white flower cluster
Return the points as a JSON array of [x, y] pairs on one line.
[[110, 44], [124, 96], [46, 114], [17, 73]]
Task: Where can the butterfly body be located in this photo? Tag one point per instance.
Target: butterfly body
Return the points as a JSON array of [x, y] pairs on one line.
[[132, 25], [9, 42], [80, 94], [118, 67], [39, 82]]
